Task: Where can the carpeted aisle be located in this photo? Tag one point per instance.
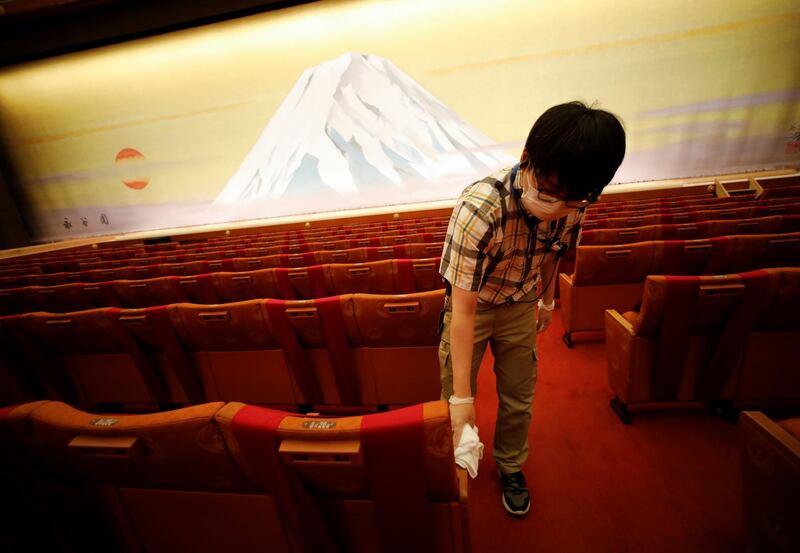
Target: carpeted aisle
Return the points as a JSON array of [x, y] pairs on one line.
[[668, 482]]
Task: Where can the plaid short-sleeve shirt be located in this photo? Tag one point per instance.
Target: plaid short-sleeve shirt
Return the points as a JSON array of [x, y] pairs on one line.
[[489, 246]]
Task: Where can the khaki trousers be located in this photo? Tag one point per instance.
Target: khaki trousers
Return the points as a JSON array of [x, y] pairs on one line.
[[510, 330]]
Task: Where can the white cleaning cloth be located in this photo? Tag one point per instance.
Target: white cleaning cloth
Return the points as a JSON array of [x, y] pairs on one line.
[[469, 450]]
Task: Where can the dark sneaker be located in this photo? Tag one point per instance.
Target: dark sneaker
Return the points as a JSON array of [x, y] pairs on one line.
[[516, 498]]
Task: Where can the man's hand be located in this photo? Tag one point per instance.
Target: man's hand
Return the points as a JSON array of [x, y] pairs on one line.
[[543, 320], [459, 416]]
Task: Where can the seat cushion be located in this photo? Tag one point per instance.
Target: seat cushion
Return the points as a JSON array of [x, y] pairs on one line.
[[632, 317], [792, 426]]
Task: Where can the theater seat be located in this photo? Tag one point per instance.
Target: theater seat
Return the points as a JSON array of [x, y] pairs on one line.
[[248, 285], [58, 299], [352, 255], [199, 288], [238, 354], [617, 236], [692, 257], [771, 481], [149, 292], [398, 334], [417, 275], [759, 225], [771, 359], [325, 329], [13, 301], [686, 341], [604, 277], [376, 483], [104, 364], [763, 251], [424, 250], [159, 483], [375, 277], [682, 231]]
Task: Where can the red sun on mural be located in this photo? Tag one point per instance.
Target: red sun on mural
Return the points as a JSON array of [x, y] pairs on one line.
[[130, 163]]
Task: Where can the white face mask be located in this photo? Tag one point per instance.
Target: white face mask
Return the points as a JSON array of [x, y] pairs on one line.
[[542, 210]]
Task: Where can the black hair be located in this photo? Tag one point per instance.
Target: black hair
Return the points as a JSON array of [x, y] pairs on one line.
[[583, 146]]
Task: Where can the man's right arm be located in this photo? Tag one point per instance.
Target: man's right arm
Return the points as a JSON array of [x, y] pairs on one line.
[[462, 334]]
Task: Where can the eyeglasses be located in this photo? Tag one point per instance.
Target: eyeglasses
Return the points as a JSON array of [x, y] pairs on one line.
[[552, 197]]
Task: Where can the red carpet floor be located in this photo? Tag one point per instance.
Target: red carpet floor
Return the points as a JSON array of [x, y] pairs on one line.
[[668, 482]]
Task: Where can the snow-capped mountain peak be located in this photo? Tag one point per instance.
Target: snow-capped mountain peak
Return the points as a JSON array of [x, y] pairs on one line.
[[355, 124]]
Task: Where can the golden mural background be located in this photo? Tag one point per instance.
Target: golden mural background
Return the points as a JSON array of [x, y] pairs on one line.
[[702, 87]]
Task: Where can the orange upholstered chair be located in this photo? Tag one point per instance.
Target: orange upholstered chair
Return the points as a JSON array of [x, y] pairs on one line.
[[384, 482], [320, 334], [771, 481], [397, 336], [155, 339], [789, 223], [605, 277], [758, 225], [374, 277], [683, 231], [161, 482], [241, 355], [149, 292], [248, 285], [423, 250], [199, 288], [101, 294], [771, 359], [764, 250], [100, 358], [57, 299], [306, 282], [352, 255], [424, 275], [686, 341], [114, 273], [617, 236], [14, 300], [693, 257], [181, 268], [254, 263]]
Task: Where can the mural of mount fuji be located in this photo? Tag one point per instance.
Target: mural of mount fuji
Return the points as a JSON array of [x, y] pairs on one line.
[[356, 131]]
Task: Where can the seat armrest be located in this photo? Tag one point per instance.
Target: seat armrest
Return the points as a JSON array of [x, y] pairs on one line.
[[566, 278], [757, 423], [621, 321]]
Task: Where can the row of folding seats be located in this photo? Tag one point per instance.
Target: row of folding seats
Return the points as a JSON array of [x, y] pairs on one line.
[[137, 272], [749, 212], [684, 202], [320, 239], [284, 237], [782, 192], [253, 249], [612, 276], [708, 338], [291, 257], [356, 350], [667, 200], [232, 477], [772, 224], [766, 183], [114, 251], [390, 276], [717, 206]]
